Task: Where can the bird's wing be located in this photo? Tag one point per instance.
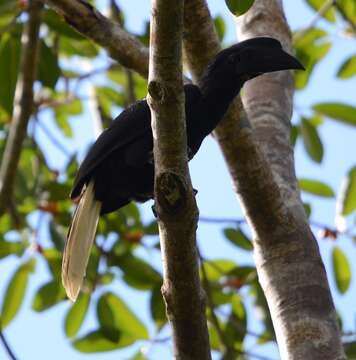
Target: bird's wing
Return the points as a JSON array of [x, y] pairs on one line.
[[130, 125], [131, 129]]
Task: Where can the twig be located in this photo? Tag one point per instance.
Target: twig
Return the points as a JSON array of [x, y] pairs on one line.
[[23, 107], [328, 4], [207, 219], [7, 346], [53, 138], [333, 232]]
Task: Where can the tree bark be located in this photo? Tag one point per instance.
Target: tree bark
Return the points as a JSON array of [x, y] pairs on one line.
[[23, 104], [174, 199], [287, 257]]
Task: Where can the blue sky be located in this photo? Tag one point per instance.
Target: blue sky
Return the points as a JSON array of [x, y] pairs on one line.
[[41, 336]]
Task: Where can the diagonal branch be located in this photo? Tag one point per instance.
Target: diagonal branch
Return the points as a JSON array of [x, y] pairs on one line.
[[23, 104], [121, 45], [174, 200]]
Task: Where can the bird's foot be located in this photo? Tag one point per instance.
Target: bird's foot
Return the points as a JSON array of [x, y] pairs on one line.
[[195, 191]]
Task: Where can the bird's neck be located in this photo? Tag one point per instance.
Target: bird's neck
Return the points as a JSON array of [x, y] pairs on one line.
[[215, 100]]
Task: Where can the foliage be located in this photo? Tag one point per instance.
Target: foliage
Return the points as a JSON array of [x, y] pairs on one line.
[[41, 189]]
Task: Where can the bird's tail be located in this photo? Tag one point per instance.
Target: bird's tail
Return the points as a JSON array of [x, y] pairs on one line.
[[80, 238]]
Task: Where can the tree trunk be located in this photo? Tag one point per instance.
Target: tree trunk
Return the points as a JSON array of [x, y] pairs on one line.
[[287, 257], [174, 199]]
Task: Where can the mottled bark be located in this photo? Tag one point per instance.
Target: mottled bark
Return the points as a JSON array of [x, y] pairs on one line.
[[121, 45], [23, 104], [287, 257], [174, 199]]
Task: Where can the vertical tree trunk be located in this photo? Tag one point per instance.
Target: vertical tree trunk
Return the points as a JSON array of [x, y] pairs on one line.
[[174, 200], [287, 257]]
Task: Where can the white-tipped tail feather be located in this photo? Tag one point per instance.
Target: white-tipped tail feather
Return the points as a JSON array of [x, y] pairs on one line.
[[79, 241]]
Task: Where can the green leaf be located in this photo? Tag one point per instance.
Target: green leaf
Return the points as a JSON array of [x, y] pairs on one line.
[[235, 328], [294, 132], [96, 341], [349, 10], [9, 68], [57, 236], [12, 248], [310, 47], [73, 107], [311, 140], [157, 307], [307, 208], [348, 68], [220, 26], [151, 228], [113, 312], [76, 314], [107, 97], [48, 295], [316, 188], [57, 191], [329, 15], [54, 261], [239, 7], [48, 69], [340, 112], [350, 350], [215, 269], [105, 315], [15, 293], [342, 270], [346, 203], [137, 272], [71, 47], [238, 238]]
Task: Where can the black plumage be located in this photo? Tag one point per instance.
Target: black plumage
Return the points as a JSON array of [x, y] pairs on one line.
[[119, 166]]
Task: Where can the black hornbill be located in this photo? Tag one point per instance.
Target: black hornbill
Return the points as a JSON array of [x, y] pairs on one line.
[[119, 166]]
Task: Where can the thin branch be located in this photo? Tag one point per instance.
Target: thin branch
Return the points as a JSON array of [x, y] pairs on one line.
[[214, 220], [329, 230], [328, 4], [23, 104], [7, 346], [53, 138], [121, 45]]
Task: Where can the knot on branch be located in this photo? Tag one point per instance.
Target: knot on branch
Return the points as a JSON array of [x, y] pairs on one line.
[[171, 192], [157, 91]]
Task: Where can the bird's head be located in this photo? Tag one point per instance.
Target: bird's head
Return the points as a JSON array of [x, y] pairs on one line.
[[246, 60]]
